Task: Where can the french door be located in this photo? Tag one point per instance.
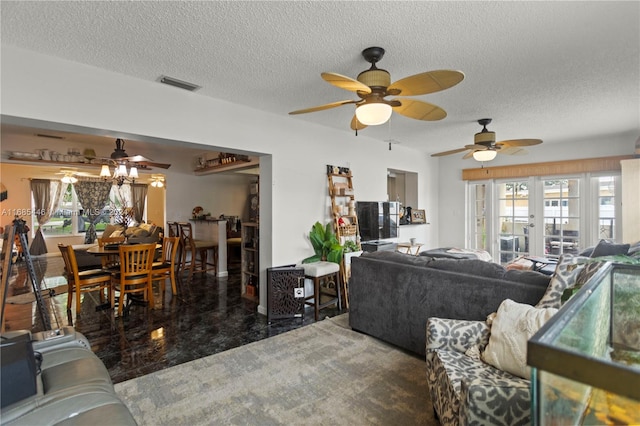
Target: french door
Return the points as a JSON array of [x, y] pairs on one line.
[[542, 216], [514, 219]]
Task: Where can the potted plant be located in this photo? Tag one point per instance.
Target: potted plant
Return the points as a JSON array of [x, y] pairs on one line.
[[325, 244]]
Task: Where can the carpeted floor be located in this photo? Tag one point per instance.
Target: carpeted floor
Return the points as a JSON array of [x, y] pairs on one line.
[[323, 373]]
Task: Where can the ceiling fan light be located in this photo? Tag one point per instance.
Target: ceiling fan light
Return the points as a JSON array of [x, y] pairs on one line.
[[104, 171], [133, 172], [373, 114], [121, 170], [485, 155]]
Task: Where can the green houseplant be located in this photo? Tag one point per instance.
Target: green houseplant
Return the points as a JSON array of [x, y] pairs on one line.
[[325, 244]]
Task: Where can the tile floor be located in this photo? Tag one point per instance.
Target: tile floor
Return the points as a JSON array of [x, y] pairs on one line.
[[206, 317]]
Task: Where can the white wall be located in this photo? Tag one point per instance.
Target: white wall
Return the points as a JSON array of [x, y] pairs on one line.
[[40, 87]]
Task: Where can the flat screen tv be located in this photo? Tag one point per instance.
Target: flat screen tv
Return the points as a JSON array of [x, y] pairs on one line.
[[377, 220]]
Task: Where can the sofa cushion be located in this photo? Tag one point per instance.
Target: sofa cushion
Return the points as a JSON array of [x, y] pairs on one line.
[[606, 248], [565, 276], [470, 266], [513, 325], [527, 277], [397, 257], [110, 229], [445, 253]]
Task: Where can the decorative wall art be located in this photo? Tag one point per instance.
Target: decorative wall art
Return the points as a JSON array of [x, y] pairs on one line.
[[418, 216]]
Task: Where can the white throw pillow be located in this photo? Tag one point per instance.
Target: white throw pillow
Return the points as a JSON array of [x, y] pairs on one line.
[[513, 325]]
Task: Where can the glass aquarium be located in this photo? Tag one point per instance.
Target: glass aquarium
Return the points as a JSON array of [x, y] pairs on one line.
[[586, 360]]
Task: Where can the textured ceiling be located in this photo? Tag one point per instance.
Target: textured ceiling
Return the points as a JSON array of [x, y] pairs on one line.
[[548, 70]]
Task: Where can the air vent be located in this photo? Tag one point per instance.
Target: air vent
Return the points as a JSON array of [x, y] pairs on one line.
[[43, 135], [178, 83]]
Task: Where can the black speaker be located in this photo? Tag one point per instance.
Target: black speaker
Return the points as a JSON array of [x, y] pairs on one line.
[[285, 292], [19, 369]]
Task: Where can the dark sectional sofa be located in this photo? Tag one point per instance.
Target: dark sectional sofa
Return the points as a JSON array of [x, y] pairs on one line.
[[392, 294]]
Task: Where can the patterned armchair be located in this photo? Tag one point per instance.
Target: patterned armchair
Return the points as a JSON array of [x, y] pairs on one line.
[[465, 390]]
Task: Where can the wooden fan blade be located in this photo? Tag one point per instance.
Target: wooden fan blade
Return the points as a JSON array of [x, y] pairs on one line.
[[419, 110], [468, 155], [356, 124], [136, 159], [344, 82], [322, 107], [477, 147], [453, 151], [511, 150], [158, 165], [426, 82], [519, 142]]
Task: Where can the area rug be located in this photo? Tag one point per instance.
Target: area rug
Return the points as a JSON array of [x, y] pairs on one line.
[[323, 373]]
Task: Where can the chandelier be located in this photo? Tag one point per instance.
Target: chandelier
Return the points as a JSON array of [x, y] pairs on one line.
[[120, 174]]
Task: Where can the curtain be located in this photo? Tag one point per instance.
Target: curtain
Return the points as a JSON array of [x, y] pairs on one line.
[[93, 195], [46, 197], [138, 196]]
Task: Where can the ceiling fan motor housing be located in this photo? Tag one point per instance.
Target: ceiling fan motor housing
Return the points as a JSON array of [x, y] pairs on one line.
[[485, 137], [375, 78]]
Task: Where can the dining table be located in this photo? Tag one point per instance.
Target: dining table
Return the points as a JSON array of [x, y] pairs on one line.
[[111, 250]]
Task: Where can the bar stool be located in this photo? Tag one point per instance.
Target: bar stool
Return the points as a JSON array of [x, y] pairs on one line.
[[327, 275], [199, 250]]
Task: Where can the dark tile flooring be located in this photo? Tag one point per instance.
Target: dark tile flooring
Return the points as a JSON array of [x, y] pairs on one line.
[[206, 317]]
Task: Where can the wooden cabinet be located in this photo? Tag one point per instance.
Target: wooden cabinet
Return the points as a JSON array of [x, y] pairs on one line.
[[250, 261]]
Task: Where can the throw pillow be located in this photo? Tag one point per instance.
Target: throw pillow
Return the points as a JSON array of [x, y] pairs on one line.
[[116, 233], [567, 270], [513, 325], [606, 248]]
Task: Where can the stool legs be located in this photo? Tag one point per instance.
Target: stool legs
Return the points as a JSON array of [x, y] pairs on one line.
[[317, 293]]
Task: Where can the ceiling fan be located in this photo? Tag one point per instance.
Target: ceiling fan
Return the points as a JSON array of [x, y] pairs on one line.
[[374, 84], [485, 147], [119, 156], [70, 174]]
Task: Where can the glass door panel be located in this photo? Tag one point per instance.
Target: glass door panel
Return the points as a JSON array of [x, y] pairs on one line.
[[513, 220], [561, 216], [606, 207]]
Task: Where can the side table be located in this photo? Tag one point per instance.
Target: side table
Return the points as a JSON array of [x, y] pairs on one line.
[[409, 248]]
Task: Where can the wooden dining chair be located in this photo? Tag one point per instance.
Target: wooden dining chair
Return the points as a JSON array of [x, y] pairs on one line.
[[174, 231], [195, 253], [166, 267], [110, 261], [83, 281], [134, 274]]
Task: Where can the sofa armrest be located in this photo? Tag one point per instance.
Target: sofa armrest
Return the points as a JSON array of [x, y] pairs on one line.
[[504, 399], [457, 335]]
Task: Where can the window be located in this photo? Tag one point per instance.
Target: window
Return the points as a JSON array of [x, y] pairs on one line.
[[69, 217]]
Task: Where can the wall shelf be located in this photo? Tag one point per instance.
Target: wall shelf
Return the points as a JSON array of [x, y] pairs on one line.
[[234, 166], [93, 164]]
